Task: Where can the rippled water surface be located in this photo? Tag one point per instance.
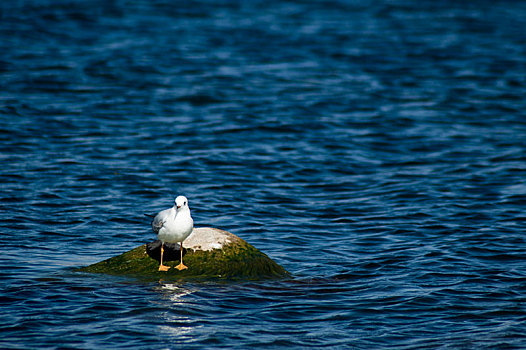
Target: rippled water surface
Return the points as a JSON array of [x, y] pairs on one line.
[[375, 149]]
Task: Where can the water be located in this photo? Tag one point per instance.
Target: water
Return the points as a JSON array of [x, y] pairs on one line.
[[376, 150]]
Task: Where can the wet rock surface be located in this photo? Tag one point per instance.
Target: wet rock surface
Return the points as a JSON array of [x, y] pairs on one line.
[[208, 252]]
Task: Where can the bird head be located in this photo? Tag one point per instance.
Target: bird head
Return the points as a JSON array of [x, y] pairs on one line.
[[181, 202]]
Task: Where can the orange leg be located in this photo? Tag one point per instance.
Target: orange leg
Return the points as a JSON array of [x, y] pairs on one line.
[[163, 267], [181, 266]]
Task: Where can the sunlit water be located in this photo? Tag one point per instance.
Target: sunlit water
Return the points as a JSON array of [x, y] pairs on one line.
[[376, 150]]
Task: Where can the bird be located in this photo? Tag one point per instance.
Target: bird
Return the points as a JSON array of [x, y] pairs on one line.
[[173, 225]]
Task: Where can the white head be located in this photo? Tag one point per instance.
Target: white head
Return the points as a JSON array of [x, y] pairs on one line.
[[181, 202]]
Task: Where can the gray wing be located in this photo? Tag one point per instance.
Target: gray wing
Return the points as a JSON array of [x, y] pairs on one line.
[[159, 220]]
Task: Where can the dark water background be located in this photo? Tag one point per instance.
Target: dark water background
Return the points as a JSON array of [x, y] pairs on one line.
[[375, 149]]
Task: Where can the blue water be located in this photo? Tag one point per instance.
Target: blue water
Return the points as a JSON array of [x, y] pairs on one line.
[[375, 149]]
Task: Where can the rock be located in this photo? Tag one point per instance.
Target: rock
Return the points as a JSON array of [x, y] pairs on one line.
[[208, 253]]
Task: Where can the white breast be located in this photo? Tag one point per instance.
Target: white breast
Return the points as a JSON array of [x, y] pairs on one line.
[[177, 228]]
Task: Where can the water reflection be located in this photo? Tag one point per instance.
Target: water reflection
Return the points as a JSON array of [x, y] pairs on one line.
[[173, 292], [177, 321]]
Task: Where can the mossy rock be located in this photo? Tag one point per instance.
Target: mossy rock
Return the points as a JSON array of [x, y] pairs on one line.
[[209, 253]]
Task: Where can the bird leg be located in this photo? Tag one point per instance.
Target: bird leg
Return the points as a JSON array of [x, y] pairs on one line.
[[163, 267], [181, 266]]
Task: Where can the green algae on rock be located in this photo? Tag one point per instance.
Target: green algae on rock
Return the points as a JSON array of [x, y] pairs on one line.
[[208, 253]]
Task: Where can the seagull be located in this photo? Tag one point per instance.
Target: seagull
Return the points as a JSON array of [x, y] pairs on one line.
[[173, 225]]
